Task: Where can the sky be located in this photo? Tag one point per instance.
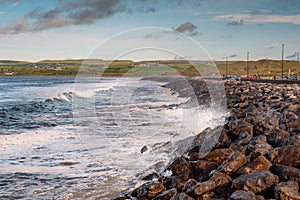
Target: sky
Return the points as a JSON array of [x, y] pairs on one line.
[[34, 30]]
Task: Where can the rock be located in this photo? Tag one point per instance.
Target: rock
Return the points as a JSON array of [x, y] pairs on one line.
[[181, 167], [189, 184], [236, 161], [148, 190], [266, 126], [224, 141], [155, 189], [259, 164], [144, 149], [275, 138], [219, 155], [166, 195], [220, 179], [255, 181], [286, 173], [208, 168], [181, 196], [242, 195], [241, 143], [287, 191], [239, 126], [201, 188], [288, 155]]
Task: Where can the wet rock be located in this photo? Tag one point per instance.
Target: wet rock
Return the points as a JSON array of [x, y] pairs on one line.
[[236, 161], [266, 126], [242, 195], [239, 126], [224, 141], [208, 168], [166, 195], [189, 184], [241, 143], [287, 191], [155, 189], [181, 167], [255, 181], [148, 190], [219, 155], [259, 164], [201, 188], [286, 173], [288, 155], [144, 149]]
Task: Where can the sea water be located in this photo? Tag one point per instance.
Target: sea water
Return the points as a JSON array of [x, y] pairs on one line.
[[64, 138]]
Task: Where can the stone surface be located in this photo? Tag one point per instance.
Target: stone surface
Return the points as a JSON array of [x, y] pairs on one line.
[[220, 179], [166, 195], [201, 188], [286, 172], [287, 191], [242, 195], [288, 155], [236, 161], [259, 164], [255, 181], [219, 155]]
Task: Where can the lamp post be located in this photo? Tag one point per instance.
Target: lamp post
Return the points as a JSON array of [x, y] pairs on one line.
[[282, 55], [247, 69], [298, 65], [226, 66]]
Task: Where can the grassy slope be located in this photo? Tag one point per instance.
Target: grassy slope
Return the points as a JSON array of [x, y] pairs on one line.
[[127, 67]]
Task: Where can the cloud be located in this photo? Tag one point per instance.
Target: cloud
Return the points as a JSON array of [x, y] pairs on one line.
[[292, 56], [2, 13], [259, 18], [67, 13], [236, 23], [14, 2], [151, 10], [186, 27], [232, 56]]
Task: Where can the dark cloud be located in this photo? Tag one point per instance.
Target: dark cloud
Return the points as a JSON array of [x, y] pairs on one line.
[[236, 22], [67, 13], [187, 26], [232, 56], [151, 10], [292, 56]]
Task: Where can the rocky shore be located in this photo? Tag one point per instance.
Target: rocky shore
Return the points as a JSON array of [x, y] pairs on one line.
[[257, 155]]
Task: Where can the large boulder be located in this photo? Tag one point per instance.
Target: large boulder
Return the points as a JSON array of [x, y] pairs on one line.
[[286, 172], [288, 155], [287, 191], [219, 155], [242, 195], [201, 188], [256, 181], [259, 164], [236, 161]]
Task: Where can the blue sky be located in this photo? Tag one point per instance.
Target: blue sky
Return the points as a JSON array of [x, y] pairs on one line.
[[48, 29]]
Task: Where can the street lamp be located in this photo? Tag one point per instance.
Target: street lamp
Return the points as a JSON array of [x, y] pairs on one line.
[[298, 65], [282, 54], [226, 66], [247, 64]]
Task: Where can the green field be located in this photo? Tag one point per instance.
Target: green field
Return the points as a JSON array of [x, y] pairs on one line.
[[144, 68]]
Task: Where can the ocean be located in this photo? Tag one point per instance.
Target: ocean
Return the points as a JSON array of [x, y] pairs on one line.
[[68, 138]]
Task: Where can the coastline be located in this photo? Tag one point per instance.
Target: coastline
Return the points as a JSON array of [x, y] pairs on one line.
[[255, 157]]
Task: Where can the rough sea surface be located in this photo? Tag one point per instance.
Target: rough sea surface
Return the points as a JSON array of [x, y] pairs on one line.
[[62, 138]]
